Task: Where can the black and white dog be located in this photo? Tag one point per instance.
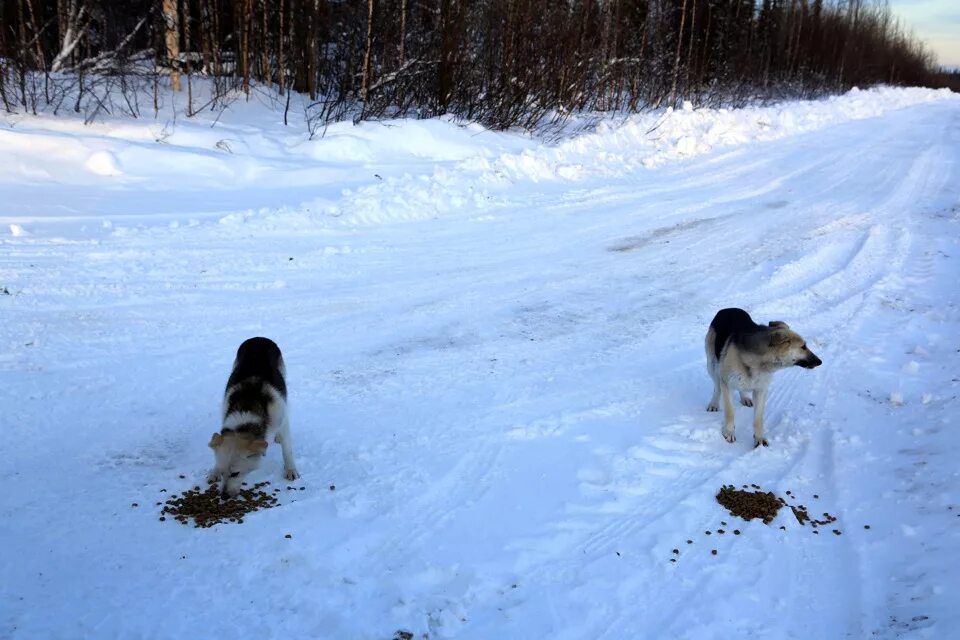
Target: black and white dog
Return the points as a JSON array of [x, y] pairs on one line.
[[743, 355], [254, 408]]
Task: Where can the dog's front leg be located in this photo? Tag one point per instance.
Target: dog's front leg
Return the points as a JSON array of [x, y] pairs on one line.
[[759, 404], [289, 467], [729, 430]]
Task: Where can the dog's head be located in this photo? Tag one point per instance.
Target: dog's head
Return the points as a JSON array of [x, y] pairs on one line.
[[789, 348], [237, 454]]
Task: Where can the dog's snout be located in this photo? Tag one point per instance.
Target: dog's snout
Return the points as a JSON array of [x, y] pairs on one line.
[[810, 362]]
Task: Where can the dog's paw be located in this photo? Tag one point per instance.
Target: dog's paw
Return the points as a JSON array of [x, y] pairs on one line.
[[762, 441], [290, 474], [729, 436], [747, 402], [713, 407]]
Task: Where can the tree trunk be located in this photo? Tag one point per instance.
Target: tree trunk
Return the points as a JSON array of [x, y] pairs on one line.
[[693, 35], [281, 63], [171, 19], [365, 83], [186, 45], [676, 60], [403, 31]]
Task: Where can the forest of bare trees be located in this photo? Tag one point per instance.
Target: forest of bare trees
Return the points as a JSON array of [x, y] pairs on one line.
[[500, 62]]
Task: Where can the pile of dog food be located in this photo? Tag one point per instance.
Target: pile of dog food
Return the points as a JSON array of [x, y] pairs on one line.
[[751, 502], [748, 505], [206, 508]]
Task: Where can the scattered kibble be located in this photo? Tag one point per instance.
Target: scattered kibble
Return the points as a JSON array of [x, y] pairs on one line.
[[713, 552], [206, 508]]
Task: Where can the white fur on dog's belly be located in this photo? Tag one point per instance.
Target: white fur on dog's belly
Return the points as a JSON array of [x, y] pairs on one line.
[[747, 383], [233, 420]]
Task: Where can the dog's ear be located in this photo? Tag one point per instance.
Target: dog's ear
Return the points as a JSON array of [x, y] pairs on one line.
[[258, 446], [779, 336], [779, 324], [216, 441]]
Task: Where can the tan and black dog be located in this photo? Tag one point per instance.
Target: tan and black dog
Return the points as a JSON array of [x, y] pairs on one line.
[[743, 355], [254, 408]]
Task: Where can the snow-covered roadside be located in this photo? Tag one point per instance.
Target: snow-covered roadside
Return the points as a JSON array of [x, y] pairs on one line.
[[245, 165], [509, 403]]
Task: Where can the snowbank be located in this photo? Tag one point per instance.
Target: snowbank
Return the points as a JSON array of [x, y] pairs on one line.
[[642, 141]]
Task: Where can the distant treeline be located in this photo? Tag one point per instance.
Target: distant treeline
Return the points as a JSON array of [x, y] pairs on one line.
[[500, 62]]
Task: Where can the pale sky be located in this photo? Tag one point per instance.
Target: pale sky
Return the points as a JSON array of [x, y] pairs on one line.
[[936, 22]]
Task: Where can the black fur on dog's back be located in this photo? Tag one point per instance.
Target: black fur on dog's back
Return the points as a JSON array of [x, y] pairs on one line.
[[731, 323], [259, 358]]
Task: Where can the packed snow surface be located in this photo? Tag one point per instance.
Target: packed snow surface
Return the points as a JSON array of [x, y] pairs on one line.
[[494, 348]]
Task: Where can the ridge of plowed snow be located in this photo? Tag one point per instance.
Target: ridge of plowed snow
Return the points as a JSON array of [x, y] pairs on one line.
[[641, 141]]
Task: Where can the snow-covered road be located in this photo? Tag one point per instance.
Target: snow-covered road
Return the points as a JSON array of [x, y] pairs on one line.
[[507, 391]]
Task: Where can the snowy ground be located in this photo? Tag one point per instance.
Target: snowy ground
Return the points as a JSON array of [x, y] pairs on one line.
[[494, 349]]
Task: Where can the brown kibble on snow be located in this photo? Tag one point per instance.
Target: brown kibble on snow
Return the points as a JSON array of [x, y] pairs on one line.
[[134, 505], [333, 487], [689, 541], [676, 552], [288, 536], [713, 552], [736, 532], [866, 526], [749, 504], [206, 508]]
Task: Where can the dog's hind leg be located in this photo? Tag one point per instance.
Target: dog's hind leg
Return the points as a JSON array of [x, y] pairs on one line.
[[760, 403], [729, 430], [745, 399], [286, 446], [714, 404]]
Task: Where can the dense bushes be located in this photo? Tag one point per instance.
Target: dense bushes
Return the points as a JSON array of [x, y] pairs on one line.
[[501, 62]]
